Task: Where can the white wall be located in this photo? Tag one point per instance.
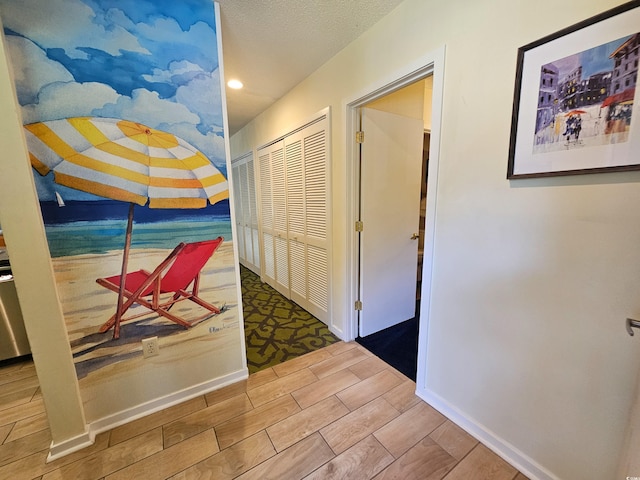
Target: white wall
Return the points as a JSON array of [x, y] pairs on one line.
[[532, 279]]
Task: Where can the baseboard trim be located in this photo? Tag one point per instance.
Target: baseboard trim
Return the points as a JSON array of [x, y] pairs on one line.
[[500, 447], [69, 446], [74, 444]]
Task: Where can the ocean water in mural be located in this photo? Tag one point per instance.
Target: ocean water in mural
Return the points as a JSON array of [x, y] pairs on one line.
[[123, 114]]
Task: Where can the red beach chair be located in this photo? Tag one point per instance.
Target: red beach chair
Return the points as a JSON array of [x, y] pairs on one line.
[[173, 276]]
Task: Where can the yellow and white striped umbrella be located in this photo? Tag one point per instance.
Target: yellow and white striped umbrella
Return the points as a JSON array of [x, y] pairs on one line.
[[127, 161], [124, 160]]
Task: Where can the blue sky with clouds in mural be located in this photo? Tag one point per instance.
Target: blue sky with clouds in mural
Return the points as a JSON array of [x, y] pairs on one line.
[[152, 62]]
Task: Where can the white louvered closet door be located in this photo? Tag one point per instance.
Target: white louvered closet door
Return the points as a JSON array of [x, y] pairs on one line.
[[252, 217], [279, 196], [244, 202], [294, 200], [267, 224], [307, 202], [237, 203], [317, 217]]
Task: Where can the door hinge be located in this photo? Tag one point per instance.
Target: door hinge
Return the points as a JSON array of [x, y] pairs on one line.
[[359, 226], [360, 137], [358, 305]]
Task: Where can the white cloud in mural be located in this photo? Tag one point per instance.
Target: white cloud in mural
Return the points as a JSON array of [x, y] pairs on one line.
[[63, 100], [202, 95], [181, 68], [168, 31], [212, 145], [32, 69], [147, 107], [75, 25]]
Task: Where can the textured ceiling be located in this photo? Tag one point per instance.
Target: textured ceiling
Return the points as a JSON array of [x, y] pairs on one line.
[[272, 45]]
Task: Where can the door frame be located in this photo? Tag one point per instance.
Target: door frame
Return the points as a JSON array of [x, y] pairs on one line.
[[430, 64]]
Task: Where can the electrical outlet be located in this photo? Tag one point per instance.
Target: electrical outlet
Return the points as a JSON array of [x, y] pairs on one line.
[[150, 347]]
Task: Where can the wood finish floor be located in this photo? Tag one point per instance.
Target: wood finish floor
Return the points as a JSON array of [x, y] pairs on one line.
[[336, 413]]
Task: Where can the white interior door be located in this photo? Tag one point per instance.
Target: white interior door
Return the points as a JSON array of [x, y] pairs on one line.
[[391, 166]]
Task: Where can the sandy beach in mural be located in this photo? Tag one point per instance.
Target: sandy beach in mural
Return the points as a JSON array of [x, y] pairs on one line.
[[87, 305]]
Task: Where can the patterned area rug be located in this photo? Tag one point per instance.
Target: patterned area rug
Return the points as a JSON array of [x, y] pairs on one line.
[[277, 329]]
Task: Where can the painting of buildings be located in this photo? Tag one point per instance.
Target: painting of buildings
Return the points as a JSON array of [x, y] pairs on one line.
[[586, 99]]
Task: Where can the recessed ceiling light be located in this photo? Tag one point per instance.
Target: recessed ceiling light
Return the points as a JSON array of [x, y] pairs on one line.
[[235, 84]]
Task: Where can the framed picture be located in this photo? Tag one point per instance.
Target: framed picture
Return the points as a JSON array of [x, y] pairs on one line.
[[573, 109]]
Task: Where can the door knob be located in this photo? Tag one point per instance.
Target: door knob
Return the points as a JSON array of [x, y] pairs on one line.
[[415, 236]]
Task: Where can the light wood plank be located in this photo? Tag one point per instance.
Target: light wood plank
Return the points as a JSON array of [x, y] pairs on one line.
[[360, 462], [520, 476], [36, 442], [357, 425], [19, 397], [425, 461], [298, 363], [281, 386], [260, 378], [30, 425], [27, 467], [149, 422], [365, 391], [403, 397], [4, 432], [226, 393], [112, 459], [21, 412], [403, 432], [338, 362], [171, 460], [325, 388], [454, 440], [481, 464], [252, 422], [293, 429], [231, 462], [341, 347], [295, 462], [17, 373], [201, 420], [368, 367]]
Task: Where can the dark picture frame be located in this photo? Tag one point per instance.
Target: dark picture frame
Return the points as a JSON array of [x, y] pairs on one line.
[[575, 90]]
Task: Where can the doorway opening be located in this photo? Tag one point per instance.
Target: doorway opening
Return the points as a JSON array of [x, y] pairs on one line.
[[430, 66], [397, 345]]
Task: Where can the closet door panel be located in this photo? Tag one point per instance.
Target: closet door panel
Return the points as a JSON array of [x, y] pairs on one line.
[[268, 269], [237, 203], [315, 161], [282, 265], [269, 265], [318, 288], [279, 196], [298, 269], [252, 217], [295, 189]]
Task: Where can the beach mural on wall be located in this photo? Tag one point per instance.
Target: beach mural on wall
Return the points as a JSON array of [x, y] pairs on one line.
[[123, 113]]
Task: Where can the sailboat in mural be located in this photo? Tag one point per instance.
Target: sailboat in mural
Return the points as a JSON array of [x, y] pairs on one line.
[[127, 161], [59, 200]]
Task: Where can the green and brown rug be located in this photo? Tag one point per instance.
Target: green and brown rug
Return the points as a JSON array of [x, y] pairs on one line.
[[277, 329]]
